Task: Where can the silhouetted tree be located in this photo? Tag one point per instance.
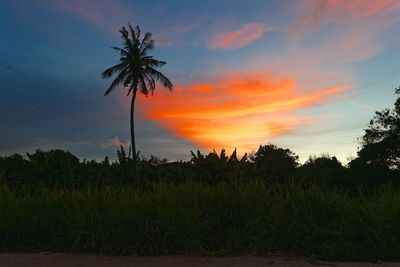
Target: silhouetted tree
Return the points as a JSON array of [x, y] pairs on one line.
[[137, 70], [240, 168], [212, 167], [381, 140], [274, 163], [322, 169]]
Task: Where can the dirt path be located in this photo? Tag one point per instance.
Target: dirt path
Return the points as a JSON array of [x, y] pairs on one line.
[[89, 260]]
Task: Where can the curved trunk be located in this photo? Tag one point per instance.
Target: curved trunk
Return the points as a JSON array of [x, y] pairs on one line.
[[133, 145]]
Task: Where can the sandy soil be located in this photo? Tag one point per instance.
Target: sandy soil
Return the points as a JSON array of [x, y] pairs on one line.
[[89, 260]]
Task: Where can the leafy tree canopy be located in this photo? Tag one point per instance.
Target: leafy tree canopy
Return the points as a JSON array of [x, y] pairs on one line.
[[381, 140], [274, 162]]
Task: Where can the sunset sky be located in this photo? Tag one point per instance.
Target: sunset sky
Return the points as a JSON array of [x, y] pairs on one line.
[[305, 75]]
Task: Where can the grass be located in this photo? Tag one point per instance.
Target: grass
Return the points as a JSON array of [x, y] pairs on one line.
[[195, 218]]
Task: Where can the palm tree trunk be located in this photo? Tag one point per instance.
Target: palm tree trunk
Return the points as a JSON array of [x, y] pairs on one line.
[[133, 145]]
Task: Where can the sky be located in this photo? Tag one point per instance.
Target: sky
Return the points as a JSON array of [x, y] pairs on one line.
[[306, 75]]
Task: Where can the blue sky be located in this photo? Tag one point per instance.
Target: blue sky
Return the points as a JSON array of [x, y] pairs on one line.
[[306, 74]]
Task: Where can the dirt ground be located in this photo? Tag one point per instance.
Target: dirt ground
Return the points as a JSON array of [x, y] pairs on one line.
[[89, 260]]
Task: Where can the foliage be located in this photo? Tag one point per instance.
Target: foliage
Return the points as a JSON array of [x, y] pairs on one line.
[[274, 163], [323, 169], [213, 203], [381, 140], [214, 168], [256, 217], [60, 169]]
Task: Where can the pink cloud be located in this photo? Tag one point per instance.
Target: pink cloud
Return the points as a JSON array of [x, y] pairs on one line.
[[355, 31], [247, 34], [316, 13], [115, 142], [107, 15], [355, 43], [163, 41], [184, 28]]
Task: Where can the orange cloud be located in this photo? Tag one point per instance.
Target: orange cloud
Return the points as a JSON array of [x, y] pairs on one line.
[[315, 13], [235, 111], [247, 34]]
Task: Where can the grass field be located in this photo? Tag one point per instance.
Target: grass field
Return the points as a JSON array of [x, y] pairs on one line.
[[195, 218]]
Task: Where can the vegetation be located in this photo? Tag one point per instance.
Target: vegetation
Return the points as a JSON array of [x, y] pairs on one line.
[[59, 169], [213, 204], [136, 70], [257, 217], [381, 141]]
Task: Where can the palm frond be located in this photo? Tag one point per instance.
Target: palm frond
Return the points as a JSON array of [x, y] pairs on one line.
[[154, 63], [114, 69], [138, 32], [160, 77], [143, 87], [152, 83], [135, 34], [147, 37], [147, 43], [128, 79], [130, 89], [117, 81], [121, 51], [117, 48], [125, 37]]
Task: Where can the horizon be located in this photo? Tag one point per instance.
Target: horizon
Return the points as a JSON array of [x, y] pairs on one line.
[[304, 75]]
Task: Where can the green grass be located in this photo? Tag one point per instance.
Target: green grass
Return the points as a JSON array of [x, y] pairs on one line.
[[195, 218]]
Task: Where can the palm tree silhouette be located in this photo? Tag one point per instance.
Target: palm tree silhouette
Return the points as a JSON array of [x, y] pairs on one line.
[[136, 70]]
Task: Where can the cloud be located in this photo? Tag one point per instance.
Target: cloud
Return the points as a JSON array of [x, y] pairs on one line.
[[15, 141], [184, 28], [107, 15], [239, 110], [353, 31], [354, 44], [361, 106], [61, 142], [247, 34], [115, 142], [316, 13], [163, 41]]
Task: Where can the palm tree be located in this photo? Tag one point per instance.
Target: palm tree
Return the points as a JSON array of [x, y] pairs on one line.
[[137, 70]]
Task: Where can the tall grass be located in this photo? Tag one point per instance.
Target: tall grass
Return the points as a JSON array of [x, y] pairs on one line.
[[197, 218]]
